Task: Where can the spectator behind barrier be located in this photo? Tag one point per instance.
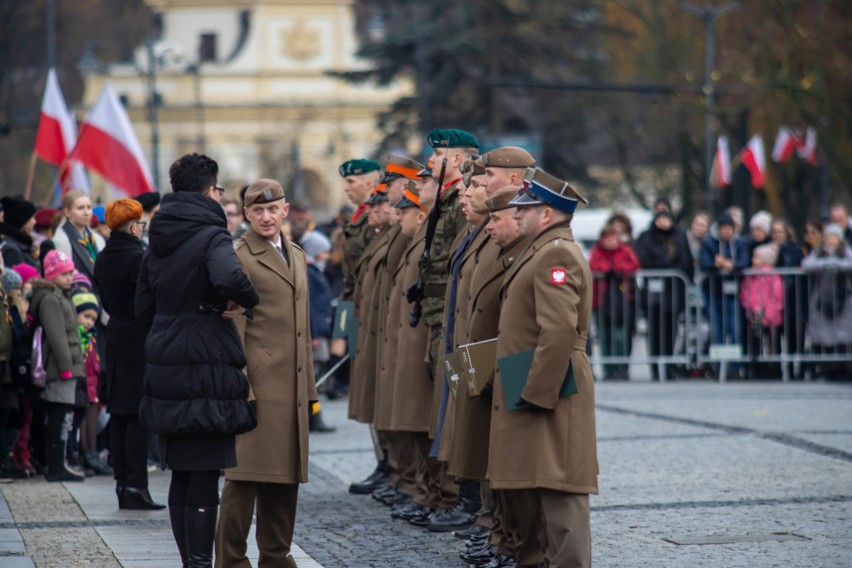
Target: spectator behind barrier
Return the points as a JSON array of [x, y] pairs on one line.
[[613, 297], [829, 269], [664, 247]]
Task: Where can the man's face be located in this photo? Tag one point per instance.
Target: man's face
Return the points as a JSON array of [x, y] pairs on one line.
[[726, 232], [528, 218], [503, 227], [395, 189], [390, 213], [301, 218], [839, 216], [475, 198], [428, 192], [232, 211], [410, 219], [358, 188], [495, 178], [266, 218], [373, 215]]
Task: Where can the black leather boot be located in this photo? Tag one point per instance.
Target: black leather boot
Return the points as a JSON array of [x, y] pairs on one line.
[[119, 492], [140, 500], [177, 515], [200, 531], [375, 480], [56, 469]]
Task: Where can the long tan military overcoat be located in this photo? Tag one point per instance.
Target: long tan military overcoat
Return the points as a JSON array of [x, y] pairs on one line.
[[467, 265], [469, 458], [413, 387], [546, 306], [280, 366], [389, 308], [362, 381]]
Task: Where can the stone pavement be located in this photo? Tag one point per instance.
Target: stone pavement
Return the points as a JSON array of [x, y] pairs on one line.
[[692, 474]]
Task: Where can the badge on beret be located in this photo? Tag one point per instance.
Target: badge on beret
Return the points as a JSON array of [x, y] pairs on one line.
[[558, 276], [267, 194]]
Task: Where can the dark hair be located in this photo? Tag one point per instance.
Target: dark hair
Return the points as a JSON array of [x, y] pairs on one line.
[[193, 172], [243, 191]]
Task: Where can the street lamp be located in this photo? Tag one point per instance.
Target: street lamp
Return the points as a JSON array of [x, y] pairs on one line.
[[709, 15]]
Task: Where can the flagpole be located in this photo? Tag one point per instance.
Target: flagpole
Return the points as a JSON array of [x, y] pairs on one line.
[[30, 175]]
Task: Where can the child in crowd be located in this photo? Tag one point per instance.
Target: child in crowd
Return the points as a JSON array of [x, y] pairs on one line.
[[9, 404], [762, 297], [31, 415], [61, 358], [88, 311]]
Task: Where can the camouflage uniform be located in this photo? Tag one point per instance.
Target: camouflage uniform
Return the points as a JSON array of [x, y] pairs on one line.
[[451, 223]]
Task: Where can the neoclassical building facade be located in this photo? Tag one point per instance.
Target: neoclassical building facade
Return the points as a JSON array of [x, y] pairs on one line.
[[246, 81]]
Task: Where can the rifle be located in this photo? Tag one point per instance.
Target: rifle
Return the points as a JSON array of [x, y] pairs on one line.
[[415, 292]]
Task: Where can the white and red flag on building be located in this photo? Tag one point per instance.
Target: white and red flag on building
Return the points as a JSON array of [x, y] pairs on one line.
[[753, 158], [785, 144], [721, 172], [808, 150], [108, 145], [57, 136]]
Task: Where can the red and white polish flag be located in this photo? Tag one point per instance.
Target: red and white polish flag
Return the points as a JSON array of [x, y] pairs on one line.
[[721, 172], [57, 136], [754, 159], [109, 146], [785, 144], [807, 151]]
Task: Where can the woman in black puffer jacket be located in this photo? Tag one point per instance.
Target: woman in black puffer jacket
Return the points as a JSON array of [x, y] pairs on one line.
[[195, 393]]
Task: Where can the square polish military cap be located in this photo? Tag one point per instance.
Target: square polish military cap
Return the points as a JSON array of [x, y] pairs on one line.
[[541, 188], [401, 167], [379, 195], [451, 138], [410, 197], [508, 157], [263, 191], [358, 167]]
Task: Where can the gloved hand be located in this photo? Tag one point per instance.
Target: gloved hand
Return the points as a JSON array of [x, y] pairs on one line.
[[528, 406]]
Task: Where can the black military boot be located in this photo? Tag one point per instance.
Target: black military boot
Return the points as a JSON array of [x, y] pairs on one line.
[[375, 480]]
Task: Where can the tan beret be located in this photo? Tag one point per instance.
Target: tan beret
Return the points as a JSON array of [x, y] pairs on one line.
[[508, 157], [501, 198], [263, 191]]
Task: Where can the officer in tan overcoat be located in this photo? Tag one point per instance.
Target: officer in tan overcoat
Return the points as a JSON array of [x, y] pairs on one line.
[[547, 445], [272, 459]]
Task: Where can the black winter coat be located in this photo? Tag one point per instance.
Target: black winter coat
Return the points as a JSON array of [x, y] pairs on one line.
[[658, 250], [116, 273], [17, 247], [194, 383]]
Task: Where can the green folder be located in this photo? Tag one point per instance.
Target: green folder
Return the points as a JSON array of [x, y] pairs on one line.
[[514, 370], [343, 320]]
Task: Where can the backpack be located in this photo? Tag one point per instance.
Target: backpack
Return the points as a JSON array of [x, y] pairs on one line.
[[38, 371]]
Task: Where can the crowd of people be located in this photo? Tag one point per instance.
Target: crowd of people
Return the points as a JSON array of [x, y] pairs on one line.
[[759, 286], [192, 329]]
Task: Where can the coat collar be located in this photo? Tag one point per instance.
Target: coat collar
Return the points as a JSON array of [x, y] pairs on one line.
[[551, 234], [497, 269], [269, 257]]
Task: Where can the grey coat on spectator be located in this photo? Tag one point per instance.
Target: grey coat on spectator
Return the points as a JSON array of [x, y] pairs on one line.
[[830, 302]]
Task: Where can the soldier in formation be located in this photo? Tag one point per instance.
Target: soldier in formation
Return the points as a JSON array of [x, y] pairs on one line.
[[495, 264]]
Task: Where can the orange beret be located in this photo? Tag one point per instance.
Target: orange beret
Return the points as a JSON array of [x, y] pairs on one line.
[[122, 211]]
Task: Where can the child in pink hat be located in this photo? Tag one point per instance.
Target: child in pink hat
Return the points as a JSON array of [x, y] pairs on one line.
[[61, 358]]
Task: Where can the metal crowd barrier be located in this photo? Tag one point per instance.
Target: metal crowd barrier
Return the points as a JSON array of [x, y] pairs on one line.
[[797, 323]]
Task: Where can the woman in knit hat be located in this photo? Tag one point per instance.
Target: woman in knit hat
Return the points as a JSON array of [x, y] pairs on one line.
[[116, 272], [17, 230], [829, 269], [61, 358]]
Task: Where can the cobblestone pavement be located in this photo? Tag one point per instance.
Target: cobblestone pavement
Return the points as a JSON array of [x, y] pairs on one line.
[[692, 474]]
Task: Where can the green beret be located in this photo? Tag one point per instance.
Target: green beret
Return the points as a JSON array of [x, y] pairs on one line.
[[451, 138], [358, 167]]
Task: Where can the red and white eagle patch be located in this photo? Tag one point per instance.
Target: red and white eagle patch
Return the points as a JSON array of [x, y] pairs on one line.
[[558, 276]]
